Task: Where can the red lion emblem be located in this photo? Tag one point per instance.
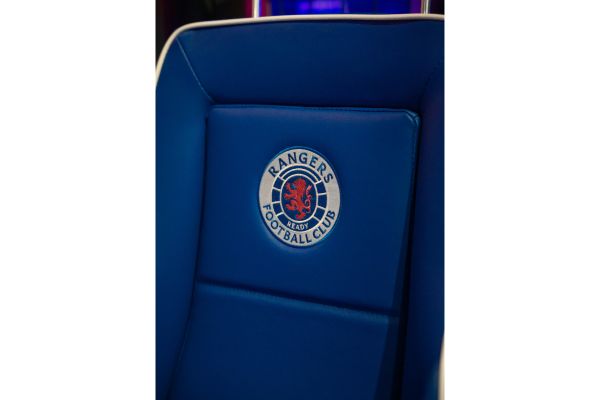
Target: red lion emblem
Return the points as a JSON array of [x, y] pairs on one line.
[[299, 197]]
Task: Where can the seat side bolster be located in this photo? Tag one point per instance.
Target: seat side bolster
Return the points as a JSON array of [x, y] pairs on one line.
[[425, 308], [181, 108]]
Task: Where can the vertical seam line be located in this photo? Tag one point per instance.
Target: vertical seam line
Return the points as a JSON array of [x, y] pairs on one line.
[[188, 321], [405, 304]]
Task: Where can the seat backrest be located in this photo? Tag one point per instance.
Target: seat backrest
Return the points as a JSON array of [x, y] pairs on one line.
[[300, 208]]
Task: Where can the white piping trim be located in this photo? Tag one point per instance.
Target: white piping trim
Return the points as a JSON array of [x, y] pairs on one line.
[[283, 18]]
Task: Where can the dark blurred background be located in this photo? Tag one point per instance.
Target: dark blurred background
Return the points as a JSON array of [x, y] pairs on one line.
[[171, 14]]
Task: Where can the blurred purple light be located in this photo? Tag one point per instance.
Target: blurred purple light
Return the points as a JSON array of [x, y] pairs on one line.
[[319, 6]]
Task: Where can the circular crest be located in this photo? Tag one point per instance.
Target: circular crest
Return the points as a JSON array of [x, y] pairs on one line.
[[299, 197]]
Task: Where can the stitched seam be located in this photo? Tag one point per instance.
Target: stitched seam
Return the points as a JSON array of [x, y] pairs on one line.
[[406, 284], [188, 320], [317, 108], [294, 299], [429, 79], [189, 64]]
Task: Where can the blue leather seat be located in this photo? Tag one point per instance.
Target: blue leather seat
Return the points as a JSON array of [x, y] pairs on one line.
[[243, 314]]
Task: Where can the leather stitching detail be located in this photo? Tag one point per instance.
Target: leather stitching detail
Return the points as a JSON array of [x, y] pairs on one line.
[[189, 64], [324, 108], [284, 300]]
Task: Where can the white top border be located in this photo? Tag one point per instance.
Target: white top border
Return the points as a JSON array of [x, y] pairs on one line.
[[282, 18]]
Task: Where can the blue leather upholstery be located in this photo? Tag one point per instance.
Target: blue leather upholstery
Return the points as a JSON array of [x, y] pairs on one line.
[[241, 315]]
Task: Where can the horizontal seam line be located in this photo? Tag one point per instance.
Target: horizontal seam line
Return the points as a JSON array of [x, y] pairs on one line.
[[317, 108], [256, 292]]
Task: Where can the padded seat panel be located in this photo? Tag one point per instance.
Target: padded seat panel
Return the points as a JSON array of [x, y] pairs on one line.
[[244, 345], [241, 315], [361, 263]]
